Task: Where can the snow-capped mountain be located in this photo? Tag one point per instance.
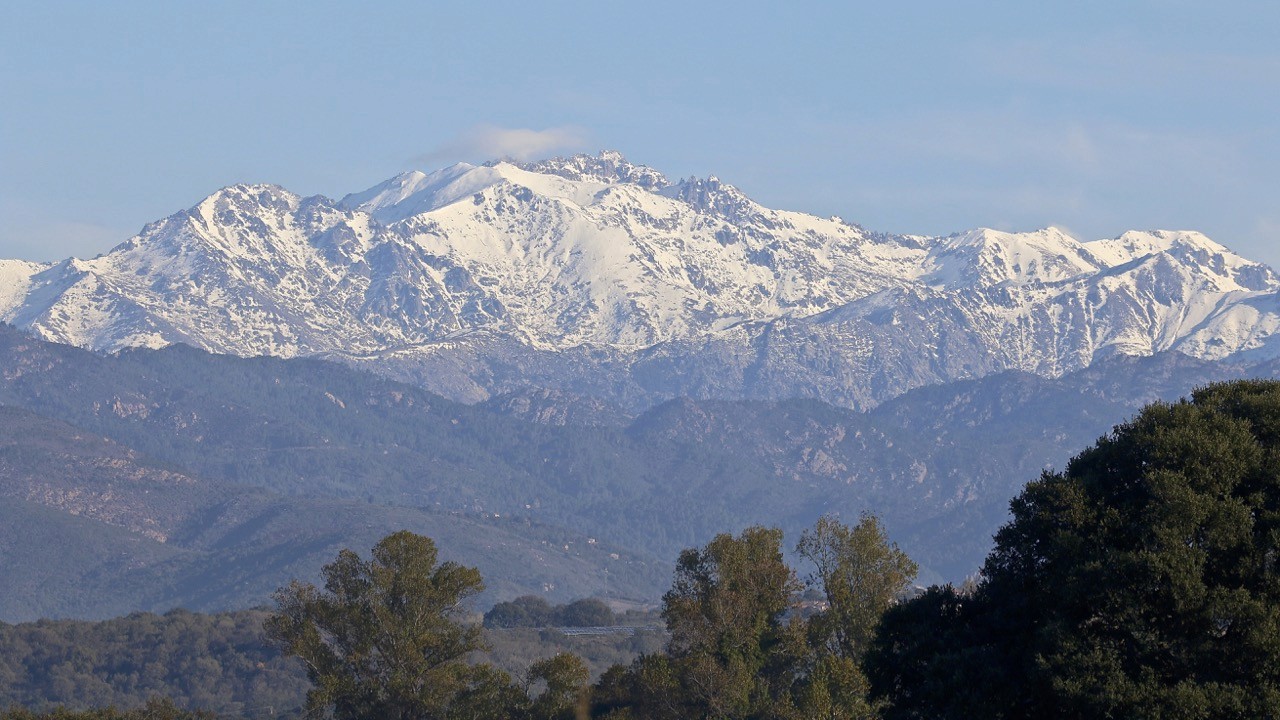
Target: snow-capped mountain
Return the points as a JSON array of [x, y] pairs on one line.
[[597, 275]]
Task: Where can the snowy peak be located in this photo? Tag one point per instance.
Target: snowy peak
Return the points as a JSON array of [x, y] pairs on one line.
[[608, 167], [15, 283], [1217, 268], [985, 257], [255, 227], [243, 218], [709, 195], [577, 180], [1136, 244], [604, 266], [415, 192], [237, 204]]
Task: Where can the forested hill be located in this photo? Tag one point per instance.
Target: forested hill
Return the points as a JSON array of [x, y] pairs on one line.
[[221, 663]]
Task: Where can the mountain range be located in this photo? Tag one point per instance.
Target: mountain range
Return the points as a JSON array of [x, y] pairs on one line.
[[603, 278], [579, 368]]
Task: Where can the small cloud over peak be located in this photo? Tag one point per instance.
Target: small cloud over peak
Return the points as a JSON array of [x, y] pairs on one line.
[[490, 142], [1064, 230]]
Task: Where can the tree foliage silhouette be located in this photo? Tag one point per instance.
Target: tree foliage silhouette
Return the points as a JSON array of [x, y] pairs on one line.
[[1140, 582], [383, 639]]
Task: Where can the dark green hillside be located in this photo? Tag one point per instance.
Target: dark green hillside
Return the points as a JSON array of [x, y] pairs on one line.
[[221, 663]]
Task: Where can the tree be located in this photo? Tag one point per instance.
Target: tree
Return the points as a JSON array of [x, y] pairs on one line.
[[383, 639], [934, 657], [587, 612], [533, 611], [860, 573], [731, 652], [1141, 582], [563, 682], [524, 611], [741, 645]]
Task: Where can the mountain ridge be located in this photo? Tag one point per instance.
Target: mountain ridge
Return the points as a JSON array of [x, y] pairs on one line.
[[594, 269], [937, 464], [94, 528]]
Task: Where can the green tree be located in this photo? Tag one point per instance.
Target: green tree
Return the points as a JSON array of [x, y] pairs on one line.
[[860, 573], [524, 611], [1141, 582], [587, 612], [562, 680], [935, 657], [383, 639], [731, 652]]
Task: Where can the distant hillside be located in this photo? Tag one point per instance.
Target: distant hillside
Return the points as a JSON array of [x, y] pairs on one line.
[[92, 529], [255, 470]]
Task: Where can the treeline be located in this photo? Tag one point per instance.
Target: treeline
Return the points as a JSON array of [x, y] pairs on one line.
[[154, 709], [744, 645], [531, 611], [223, 663], [514, 650], [220, 663], [384, 638]]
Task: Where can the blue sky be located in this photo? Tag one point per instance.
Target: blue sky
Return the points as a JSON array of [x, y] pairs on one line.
[[924, 117]]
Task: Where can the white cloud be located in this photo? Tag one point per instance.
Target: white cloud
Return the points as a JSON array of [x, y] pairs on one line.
[[489, 142]]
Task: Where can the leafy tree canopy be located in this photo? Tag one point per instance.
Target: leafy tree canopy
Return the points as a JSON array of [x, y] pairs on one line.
[[533, 611], [740, 645], [1140, 582], [859, 573], [383, 639]]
